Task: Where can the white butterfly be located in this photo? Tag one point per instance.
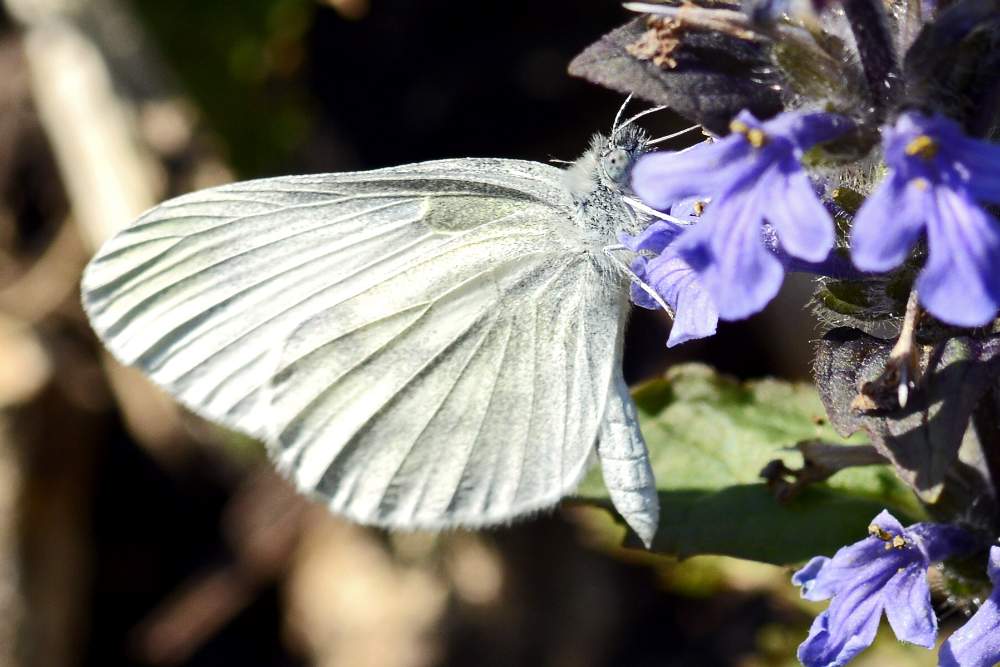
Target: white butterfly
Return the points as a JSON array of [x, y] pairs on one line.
[[431, 345]]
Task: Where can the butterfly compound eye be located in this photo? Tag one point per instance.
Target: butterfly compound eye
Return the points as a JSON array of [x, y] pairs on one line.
[[616, 164]]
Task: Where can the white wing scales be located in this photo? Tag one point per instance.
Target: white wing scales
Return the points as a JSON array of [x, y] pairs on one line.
[[473, 392], [423, 346], [220, 275]]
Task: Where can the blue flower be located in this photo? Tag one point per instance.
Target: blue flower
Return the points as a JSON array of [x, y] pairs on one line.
[[752, 174], [670, 276], [937, 176], [977, 643], [886, 571]]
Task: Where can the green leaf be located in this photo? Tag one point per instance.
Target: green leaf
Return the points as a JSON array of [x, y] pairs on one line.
[[709, 436]]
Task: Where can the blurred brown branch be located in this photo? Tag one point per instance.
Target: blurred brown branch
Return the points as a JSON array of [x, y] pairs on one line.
[[51, 423], [49, 281], [263, 522]]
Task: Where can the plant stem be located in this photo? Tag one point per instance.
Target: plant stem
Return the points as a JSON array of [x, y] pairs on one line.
[[878, 55], [904, 359]]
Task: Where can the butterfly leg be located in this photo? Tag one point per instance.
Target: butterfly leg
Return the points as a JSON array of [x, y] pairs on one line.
[[625, 464]]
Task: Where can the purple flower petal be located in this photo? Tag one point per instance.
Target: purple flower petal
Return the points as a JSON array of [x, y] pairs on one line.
[[815, 651], [811, 650], [937, 177], [662, 178], [983, 162], [977, 643], [806, 578], [939, 541], [908, 606], [802, 130], [803, 224], [847, 564], [888, 523], [654, 238], [753, 173], [884, 571], [639, 296], [741, 274], [829, 646], [888, 224], [961, 282], [837, 263], [678, 284]]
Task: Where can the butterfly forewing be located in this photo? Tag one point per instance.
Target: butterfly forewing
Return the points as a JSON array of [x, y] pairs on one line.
[[426, 345]]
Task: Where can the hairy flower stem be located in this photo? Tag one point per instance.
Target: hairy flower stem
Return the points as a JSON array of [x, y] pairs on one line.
[[904, 359], [878, 56]]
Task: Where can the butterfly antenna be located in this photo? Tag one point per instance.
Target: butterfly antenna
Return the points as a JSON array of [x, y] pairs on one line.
[[637, 117], [672, 136], [609, 250], [618, 116]]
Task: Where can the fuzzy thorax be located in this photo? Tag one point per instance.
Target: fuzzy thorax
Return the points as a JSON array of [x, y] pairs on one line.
[[599, 180]]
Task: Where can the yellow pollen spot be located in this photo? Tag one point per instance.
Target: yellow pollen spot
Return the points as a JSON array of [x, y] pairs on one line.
[[757, 138], [699, 207], [898, 542], [920, 183], [739, 127], [881, 534], [923, 146], [888, 546]]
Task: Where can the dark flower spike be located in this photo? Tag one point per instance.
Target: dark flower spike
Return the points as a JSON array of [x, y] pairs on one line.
[[953, 67], [977, 643], [752, 174], [876, 48], [886, 571], [704, 76], [937, 176]]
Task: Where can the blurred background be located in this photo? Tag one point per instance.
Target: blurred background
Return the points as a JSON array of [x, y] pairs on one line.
[[132, 533]]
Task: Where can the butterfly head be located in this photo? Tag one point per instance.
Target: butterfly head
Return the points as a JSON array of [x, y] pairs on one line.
[[607, 164], [599, 180], [618, 153]]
